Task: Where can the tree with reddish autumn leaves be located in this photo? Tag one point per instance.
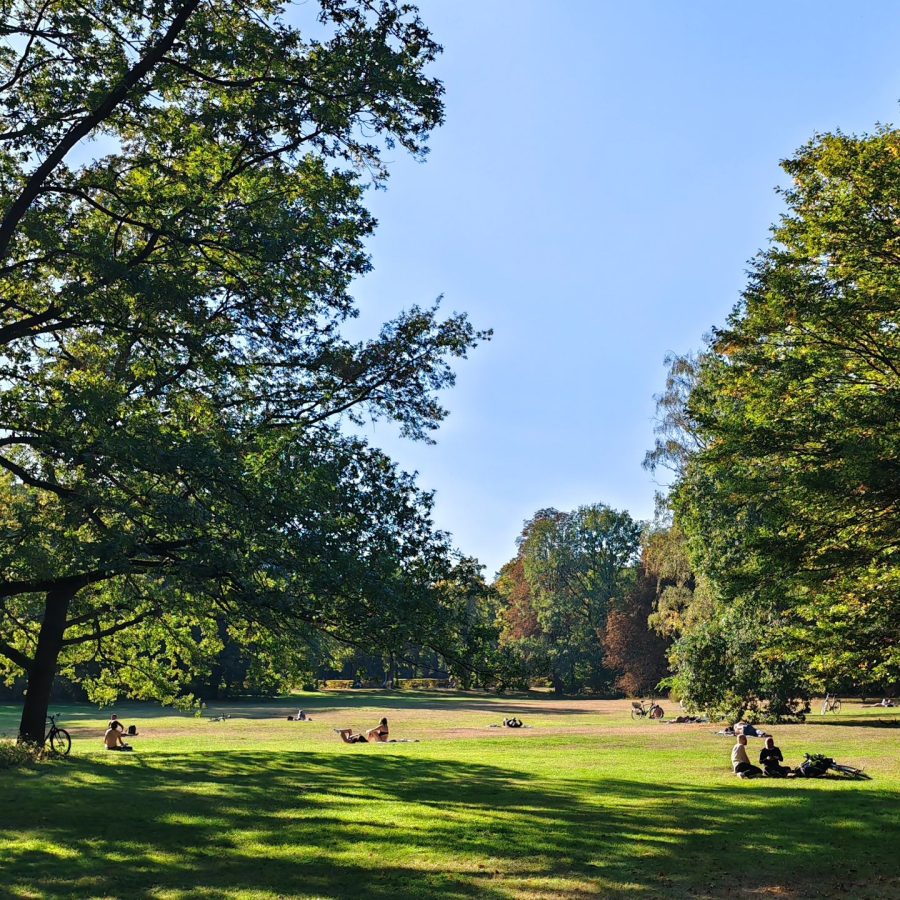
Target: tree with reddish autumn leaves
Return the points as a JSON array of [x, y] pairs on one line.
[[571, 570], [633, 649]]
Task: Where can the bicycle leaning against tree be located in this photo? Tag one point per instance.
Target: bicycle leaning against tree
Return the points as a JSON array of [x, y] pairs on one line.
[[58, 738]]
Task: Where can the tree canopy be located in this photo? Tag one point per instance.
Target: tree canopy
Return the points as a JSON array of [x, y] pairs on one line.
[[180, 222], [570, 571], [789, 496]]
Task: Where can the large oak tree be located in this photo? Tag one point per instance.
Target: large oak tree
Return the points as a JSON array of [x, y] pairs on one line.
[[180, 222]]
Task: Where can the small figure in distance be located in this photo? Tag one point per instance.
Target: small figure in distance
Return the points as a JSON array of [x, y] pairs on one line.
[[348, 737], [512, 722], [300, 717], [740, 762], [770, 759], [379, 734], [749, 729], [113, 739]]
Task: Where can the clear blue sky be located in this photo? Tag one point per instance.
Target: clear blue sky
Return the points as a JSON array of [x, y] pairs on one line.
[[605, 172]]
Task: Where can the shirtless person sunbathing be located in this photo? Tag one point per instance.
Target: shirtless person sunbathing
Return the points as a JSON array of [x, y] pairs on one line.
[[113, 740]]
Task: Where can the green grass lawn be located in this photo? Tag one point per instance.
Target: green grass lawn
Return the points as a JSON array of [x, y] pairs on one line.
[[585, 803]]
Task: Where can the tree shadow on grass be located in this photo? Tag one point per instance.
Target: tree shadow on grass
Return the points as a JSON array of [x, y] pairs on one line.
[[337, 825]]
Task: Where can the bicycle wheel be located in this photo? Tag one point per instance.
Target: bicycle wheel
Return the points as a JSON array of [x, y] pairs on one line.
[[656, 712], [850, 771], [637, 714], [836, 706], [60, 742]]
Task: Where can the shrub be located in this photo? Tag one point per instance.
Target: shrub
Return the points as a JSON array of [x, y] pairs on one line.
[[13, 754], [338, 684], [422, 684]]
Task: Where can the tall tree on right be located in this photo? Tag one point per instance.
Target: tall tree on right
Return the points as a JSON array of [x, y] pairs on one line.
[[791, 500]]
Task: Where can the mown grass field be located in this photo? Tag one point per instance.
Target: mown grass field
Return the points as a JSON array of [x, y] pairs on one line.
[[584, 803]]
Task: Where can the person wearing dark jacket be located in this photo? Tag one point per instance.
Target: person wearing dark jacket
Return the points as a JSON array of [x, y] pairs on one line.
[[770, 759]]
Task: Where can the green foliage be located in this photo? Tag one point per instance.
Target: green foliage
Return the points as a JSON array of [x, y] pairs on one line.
[[792, 500], [571, 569], [722, 666], [18, 753], [422, 684], [173, 375]]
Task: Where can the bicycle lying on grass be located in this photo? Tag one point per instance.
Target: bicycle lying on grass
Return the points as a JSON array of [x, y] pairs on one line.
[[639, 711], [58, 738], [816, 765]]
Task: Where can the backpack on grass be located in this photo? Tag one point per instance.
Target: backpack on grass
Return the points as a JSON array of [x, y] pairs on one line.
[[815, 766]]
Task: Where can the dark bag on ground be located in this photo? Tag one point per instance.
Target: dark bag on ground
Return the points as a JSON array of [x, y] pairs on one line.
[[814, 767], [132, 729]]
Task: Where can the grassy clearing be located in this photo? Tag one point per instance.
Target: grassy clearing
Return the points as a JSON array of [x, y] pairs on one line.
[[585, 803]]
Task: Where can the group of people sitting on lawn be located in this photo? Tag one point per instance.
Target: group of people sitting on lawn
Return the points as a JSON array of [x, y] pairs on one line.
[[114, 731], [770, 760]]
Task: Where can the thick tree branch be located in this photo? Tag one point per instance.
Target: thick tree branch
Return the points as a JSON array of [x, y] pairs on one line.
[[84, 127], [105, 632], [16, 656]]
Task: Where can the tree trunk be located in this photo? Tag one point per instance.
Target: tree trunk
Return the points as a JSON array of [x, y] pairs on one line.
[[558, 686], [40, 675]]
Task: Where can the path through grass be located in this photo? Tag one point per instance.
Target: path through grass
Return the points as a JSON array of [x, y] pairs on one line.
[[585, 803]]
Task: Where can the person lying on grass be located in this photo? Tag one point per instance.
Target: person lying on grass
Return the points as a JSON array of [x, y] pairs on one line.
[[378, 734], [740, 762], [749, 729], [770, 759], [113, 740]]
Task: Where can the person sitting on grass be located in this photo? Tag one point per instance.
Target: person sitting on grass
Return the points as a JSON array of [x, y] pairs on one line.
[[115, 723], [741, 764], [770, 759], [379, 734], [113, 739], [512, 722]]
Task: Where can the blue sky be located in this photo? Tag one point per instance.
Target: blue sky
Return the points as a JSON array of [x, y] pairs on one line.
[[605, 172]]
